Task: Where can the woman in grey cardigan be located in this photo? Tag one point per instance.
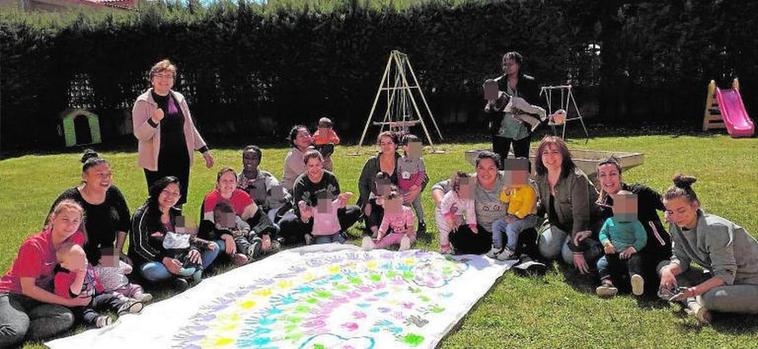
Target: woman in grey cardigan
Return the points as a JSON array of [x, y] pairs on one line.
[[568, 198], [725, 250]]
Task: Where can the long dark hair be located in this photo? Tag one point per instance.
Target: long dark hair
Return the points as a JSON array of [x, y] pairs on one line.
[[152, 207]]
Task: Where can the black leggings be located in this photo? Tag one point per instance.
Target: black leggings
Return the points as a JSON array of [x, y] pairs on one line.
[[293, 230], [500, 145]]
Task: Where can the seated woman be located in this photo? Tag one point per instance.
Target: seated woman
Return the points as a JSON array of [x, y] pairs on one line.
[[309, 186], [150, 224], [270, 196], [658, 247], [724, 249], [488, 207], [104, 207], [568, 197], [244, 207], [29, 310], [300, 140]]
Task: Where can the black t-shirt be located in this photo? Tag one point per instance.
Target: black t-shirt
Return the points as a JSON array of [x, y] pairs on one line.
[[100, 221], [172, 126], [308, 191]]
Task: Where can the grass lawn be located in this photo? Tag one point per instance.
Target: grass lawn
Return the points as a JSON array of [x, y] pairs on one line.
[[557, 310]]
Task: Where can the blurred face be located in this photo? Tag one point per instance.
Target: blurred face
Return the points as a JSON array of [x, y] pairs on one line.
[[510, 67], [486, 173], [315, 169], [66, 222], [303, 139], [387, 146], [382, 186], [98, 177], [681, 212], [224, 219], [625, 207], [393, 205], [552, 158], [516, 172], [169, 196], [163, 81], [250, 161], [74, 260], [323, 204], [609, 178], [226, 184], [413, 150], [466, 188]]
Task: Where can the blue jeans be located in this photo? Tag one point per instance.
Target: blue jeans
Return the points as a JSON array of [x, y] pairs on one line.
[[325, 239], [156, 271], [553, 243], [511, 231]]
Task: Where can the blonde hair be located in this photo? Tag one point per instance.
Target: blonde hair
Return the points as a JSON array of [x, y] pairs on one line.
[[164, 65], [69, 205]]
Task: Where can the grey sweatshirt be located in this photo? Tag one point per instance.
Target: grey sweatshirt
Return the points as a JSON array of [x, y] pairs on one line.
[[720, 246]]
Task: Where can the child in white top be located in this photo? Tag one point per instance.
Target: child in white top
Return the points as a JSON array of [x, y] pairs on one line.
[[456, 207]]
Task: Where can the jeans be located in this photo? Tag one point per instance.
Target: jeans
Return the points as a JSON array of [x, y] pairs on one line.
[[501, 145], [736, 298], [156, 272], [327, 239], [554, 242], [101, 302], [511, 231], [24, 318]]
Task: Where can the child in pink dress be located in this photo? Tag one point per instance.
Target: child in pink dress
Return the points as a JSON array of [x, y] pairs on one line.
[[326, 225], [398, 225]]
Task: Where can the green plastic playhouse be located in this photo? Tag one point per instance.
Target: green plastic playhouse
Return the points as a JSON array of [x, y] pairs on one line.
[[80, 127]]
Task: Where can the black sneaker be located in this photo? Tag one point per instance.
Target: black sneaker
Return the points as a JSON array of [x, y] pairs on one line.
[[421, 227], [179, 284]]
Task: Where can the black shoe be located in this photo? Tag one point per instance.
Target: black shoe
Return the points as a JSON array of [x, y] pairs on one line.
[[421, 227], [526, 266], [179, 284]]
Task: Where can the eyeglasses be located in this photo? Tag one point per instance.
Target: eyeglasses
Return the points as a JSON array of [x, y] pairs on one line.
[[171, 193]]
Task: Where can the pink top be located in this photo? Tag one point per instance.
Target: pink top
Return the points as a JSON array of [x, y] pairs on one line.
[[403, 222], [454, 207], [327, 223]]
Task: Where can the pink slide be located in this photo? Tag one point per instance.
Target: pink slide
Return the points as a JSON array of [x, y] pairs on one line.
[[736, 120]]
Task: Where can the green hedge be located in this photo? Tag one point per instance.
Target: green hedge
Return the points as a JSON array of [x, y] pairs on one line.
[[259, 69]]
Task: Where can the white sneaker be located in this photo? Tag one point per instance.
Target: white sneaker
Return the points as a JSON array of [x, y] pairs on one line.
[[494, 252], [367, 243], [102, 321], [506, 254], [145, 298], [638, 285], [308, 239], [405, 243], [702, 315], [606, 291]]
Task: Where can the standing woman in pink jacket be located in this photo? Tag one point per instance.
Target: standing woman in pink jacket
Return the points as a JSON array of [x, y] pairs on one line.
[[163, 126]]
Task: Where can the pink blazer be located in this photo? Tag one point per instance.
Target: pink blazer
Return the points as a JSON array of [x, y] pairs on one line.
[[149, 137]]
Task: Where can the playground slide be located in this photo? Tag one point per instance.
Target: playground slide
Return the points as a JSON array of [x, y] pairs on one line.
[[733, 112]]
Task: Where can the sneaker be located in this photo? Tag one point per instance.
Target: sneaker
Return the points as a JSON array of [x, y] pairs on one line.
[[702, 315], [507, 254], [275, 246], [308, 239], [494, 252], [638, 285], [102, 321], [131, 307], [606, 289], [240, 259], [367, 243], [179, 284], [255, 250], [405, 243], [421, 227], [446, 249], [144, 297]]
